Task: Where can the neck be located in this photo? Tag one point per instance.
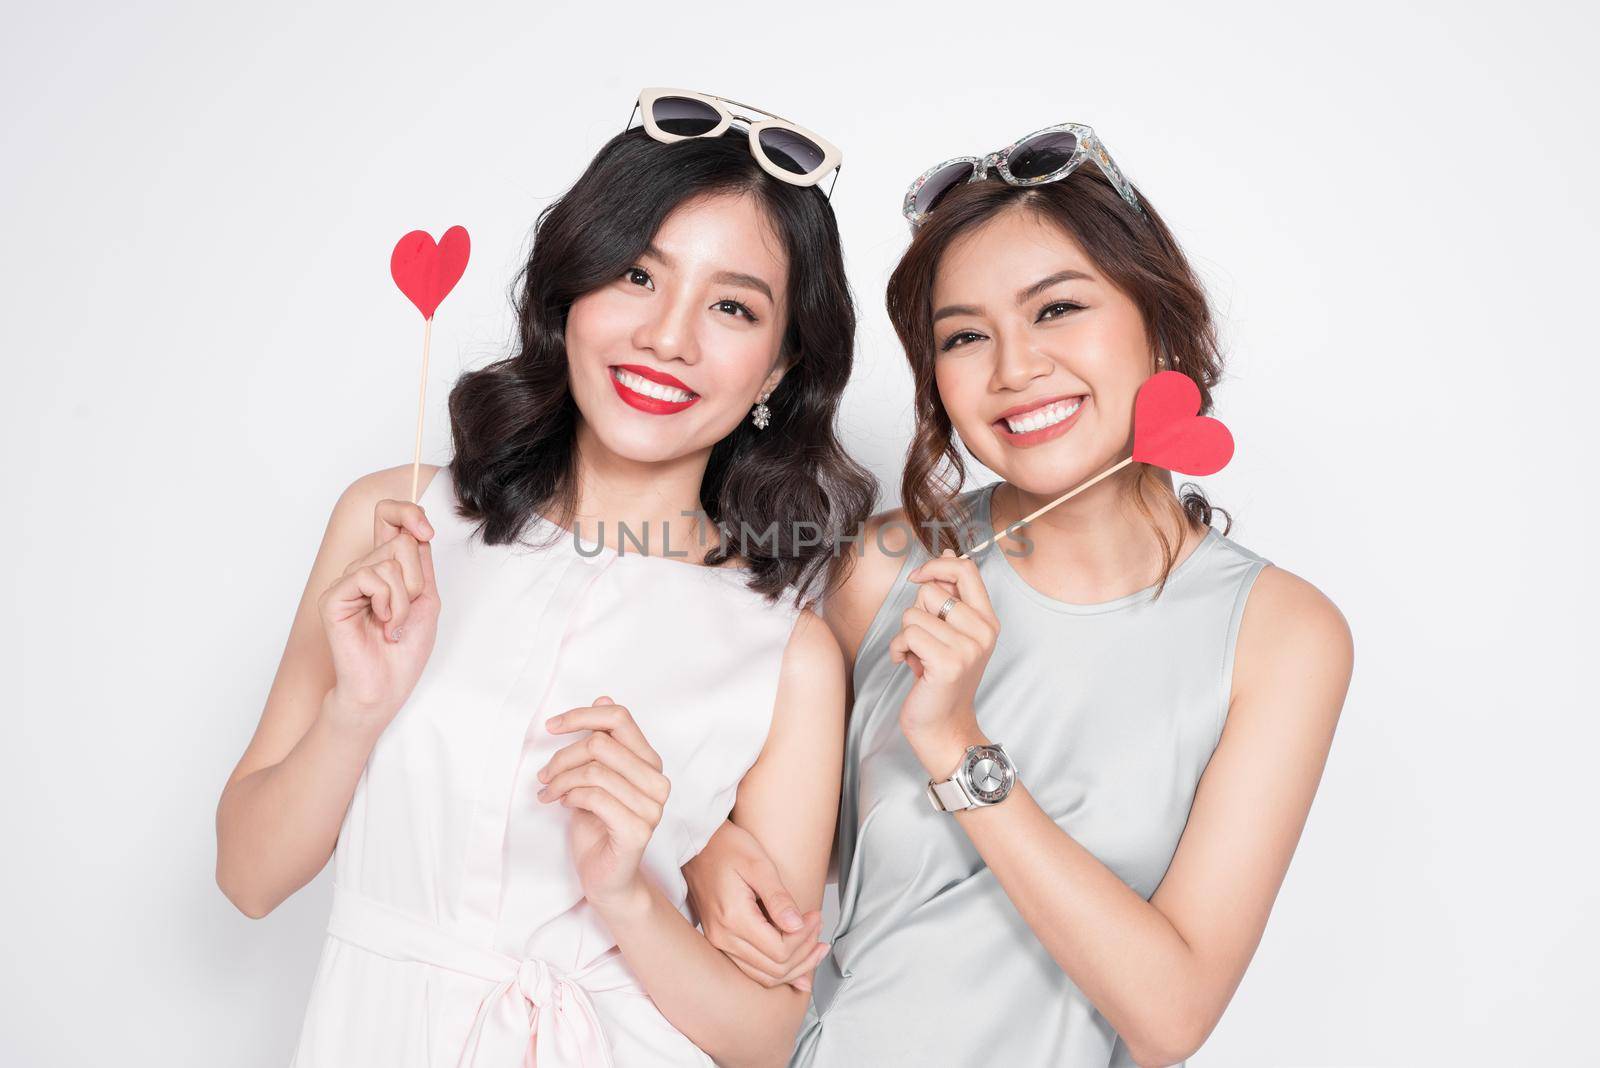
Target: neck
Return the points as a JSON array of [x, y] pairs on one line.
[[1095, 547], [641, 508]]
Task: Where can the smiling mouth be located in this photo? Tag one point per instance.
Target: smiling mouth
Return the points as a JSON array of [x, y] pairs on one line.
[[1040, 418], [649, 395]]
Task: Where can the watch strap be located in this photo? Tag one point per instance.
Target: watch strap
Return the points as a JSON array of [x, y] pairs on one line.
[[950, 795]]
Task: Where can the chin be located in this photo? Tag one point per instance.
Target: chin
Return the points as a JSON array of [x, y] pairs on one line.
[[1048, 472], [638, 444]]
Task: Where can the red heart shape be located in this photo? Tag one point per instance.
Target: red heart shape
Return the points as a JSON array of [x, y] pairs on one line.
[[1168, 432], [426, 272]]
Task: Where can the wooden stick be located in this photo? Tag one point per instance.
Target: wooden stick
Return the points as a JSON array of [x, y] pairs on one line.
[[1064, 497], [422, 391]]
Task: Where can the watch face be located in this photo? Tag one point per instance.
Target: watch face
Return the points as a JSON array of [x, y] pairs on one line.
[[989, 774]]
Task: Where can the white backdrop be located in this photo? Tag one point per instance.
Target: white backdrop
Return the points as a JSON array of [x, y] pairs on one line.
[[1392, 205]]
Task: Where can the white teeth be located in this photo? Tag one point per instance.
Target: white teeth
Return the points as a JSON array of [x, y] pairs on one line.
[[1039, 418], [658, 390]]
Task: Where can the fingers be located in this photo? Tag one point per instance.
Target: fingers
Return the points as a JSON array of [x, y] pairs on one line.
[[626, 827], [603, 747], [761, 977], [756, 964], [917, 641], [914, 637], [404, 550], [900, 650], [962, 619], [763, 877], [965, 645], [398, 564], [408, 554], [360, 590], [964, 575], [800, 947], [604, 750], [933, 593], [765, 970], [769, 946], [599, 777], [612, 718], [425, 564], [800, 975], [791, 958], [398, 602], [391, 516]]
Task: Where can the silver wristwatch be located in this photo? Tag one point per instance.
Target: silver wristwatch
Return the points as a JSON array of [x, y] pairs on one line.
[[984, 777]]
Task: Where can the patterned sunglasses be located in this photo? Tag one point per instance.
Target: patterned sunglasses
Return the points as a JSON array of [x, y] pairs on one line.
[[1046, 155]]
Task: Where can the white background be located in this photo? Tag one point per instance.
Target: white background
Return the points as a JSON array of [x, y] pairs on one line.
[[1392, 205]]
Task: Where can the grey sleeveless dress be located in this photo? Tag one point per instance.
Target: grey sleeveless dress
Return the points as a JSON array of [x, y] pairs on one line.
[[1111, 712]]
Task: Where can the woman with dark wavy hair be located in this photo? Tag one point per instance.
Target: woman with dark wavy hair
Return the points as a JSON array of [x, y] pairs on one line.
[[1077, 764], [512, 710]]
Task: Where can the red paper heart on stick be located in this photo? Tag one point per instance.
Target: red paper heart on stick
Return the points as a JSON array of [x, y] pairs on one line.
[[1169, 432], [427, 272]]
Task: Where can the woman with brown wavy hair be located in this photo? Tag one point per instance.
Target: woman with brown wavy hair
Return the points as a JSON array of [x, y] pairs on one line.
[[1078, 764]]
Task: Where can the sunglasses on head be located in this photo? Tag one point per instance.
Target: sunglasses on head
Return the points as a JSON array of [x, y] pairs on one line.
[[1046, 155], [788, 152]]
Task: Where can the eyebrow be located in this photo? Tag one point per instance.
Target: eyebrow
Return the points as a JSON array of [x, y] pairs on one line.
[[955, 309], [748, 281], [1043, 284], [727, 278], [1023, 296]]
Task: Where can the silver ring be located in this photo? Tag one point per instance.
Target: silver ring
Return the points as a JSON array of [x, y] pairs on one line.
[[949, 603]]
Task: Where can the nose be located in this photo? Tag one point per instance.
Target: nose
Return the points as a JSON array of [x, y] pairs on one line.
[[668, 329], [1017, 362]]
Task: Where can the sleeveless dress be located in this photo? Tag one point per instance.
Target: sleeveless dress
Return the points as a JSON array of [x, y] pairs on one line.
[[459, 933], [1110, 712]]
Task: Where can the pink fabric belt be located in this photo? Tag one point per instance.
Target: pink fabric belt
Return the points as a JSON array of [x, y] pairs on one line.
[[535, 1015]]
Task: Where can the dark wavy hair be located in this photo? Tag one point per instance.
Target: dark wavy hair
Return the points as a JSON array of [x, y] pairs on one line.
[[1137, 253], [513, 422]]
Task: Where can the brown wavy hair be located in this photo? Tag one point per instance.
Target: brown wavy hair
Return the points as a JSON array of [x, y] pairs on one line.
[[1138, 254], [513, 422]]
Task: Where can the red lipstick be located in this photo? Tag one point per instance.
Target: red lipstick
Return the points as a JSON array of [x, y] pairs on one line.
[[643, 401]]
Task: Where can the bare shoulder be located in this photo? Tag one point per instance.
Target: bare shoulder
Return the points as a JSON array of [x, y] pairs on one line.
[[811, 684], [350, 527], [813, 651], [391, 483], [1292, 631], [886, 539]]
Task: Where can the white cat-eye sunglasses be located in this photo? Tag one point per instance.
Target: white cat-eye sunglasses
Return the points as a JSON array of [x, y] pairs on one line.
[[787, 151]]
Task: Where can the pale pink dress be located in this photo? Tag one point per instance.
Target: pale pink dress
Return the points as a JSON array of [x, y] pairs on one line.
[[459, 933]]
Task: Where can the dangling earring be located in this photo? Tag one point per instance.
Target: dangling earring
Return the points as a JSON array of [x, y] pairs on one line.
[[761, 415]]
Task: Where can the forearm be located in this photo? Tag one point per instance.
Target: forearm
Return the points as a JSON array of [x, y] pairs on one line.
[[1120, 950], [731, 1017], [277, 826]]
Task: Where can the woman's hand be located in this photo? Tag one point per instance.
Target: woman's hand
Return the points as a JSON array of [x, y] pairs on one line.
[[731, 881], [614, 781], [382, 616], [948, 656]]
